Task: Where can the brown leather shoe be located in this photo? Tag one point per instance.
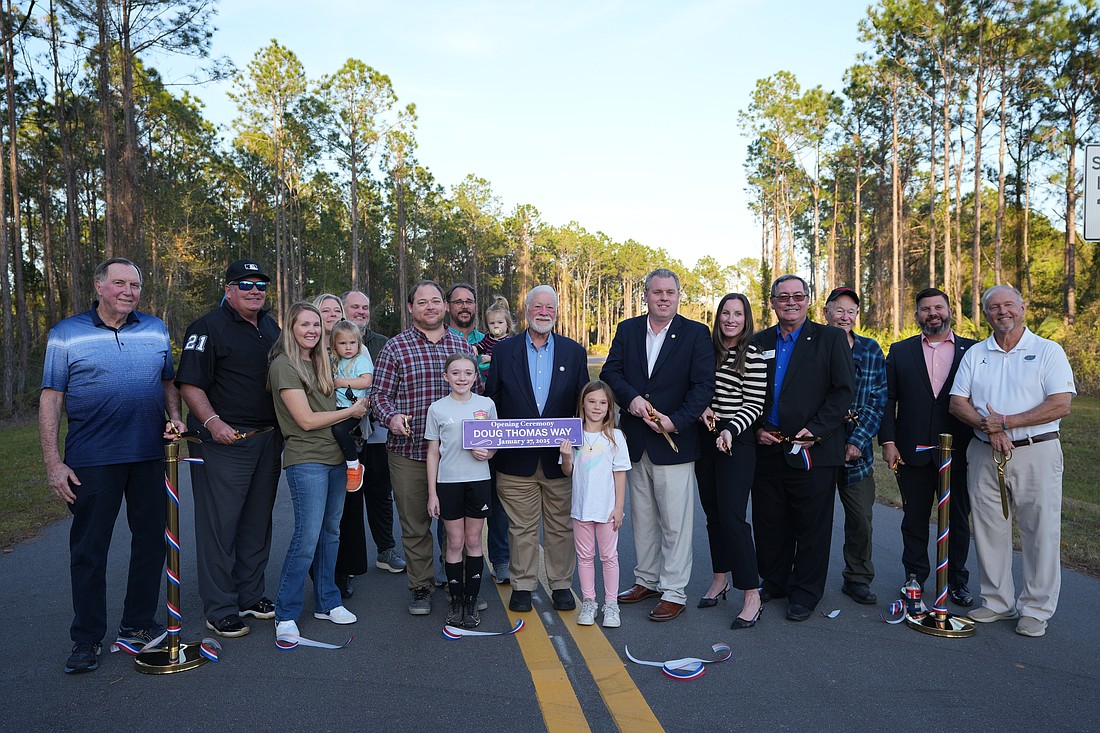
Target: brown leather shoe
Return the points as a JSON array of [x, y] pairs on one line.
[[666, 611], [637, 593]]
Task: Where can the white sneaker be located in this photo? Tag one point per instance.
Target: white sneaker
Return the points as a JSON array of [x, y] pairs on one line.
[[286, 630], [985, 615], [587, 616], [338, 615], [611, 615]]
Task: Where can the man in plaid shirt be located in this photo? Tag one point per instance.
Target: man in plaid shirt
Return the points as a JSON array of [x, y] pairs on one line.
[[408, 377], [856, 481]]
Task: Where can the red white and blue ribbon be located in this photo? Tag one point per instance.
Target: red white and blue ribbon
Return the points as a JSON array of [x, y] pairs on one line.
[[944, 537], [457, 632], [895, 614], [688, 668], [210, 649], [288, 642], [122, 644]]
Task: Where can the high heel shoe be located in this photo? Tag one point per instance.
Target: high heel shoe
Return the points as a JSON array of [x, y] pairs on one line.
[[705, 602], [740, 623]]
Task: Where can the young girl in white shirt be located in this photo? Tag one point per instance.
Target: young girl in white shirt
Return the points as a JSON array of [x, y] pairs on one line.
[[598, 467]]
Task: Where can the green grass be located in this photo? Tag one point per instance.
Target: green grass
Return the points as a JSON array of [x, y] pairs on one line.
[[26, 502], [1080, 491]]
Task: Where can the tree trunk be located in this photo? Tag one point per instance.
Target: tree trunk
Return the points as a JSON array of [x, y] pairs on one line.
[[130, 198], [74, 276], [353, 167], [402, 250], [857, 240], [16, 206], [958, 225], [108, 133], [998, 235], [895, 216], [932, 193], [979, 117], [7, 330], [1070, 266], [832, 233]]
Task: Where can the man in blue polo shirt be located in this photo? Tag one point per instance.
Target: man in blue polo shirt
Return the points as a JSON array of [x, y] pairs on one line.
[[109, 370]]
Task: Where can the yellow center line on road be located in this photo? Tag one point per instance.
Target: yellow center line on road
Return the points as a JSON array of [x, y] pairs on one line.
[[561, 710], [623, 699]]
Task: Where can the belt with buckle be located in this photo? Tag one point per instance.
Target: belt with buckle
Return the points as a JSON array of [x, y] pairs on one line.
[[1040, 438]]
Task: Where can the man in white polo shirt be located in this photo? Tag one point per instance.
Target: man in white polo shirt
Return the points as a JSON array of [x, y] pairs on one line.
[[1013, 389]]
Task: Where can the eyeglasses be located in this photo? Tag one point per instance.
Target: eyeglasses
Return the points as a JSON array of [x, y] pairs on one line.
[[788, 297], [462, 302], [245, 285]]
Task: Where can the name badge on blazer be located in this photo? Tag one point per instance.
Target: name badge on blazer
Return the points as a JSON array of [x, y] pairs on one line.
[[769, 354]]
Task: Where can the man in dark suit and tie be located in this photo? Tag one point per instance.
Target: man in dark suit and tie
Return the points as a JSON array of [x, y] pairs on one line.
[[800, 448], [919, 374], [661, 369], [537, 374]]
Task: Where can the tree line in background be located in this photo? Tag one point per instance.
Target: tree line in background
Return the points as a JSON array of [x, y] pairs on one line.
[[950, 158], [881, 185]]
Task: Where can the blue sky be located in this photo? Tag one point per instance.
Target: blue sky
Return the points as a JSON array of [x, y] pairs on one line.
[[619, 115]]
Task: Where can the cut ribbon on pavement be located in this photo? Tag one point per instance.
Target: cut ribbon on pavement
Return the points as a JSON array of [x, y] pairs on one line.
[[688, 668], [457, 632], [286, 642]]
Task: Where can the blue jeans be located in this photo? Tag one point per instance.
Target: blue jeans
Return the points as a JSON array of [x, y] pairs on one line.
[[317, 493]]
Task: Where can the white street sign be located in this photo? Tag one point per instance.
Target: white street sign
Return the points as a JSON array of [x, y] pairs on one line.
[[1092, 193]]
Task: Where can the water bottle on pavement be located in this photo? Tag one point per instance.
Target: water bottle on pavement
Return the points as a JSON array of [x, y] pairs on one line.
[[911, 592]]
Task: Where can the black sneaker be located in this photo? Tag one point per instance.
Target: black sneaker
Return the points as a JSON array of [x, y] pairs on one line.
[[454, 616], [230, 626], [85, 658], [471, 619], [140, 637], [262, 608]]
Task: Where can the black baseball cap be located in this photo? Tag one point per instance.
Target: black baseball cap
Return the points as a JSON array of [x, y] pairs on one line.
[[242, 269], [837, 292]]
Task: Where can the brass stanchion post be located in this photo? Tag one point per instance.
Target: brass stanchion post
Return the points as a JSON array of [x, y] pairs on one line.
[[940, 622], [175, 656]]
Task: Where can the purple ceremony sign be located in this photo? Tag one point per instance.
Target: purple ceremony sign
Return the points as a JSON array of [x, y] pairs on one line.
[[543, 432]]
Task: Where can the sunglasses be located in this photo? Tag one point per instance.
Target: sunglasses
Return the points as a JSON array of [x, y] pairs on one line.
[[245, 285], [787, 297]]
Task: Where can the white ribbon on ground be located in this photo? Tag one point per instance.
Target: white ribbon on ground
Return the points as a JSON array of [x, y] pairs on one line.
[[688, 668], [457, 632], [286, 642]]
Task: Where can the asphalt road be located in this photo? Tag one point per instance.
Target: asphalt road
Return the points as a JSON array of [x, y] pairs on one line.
[[852, 672]]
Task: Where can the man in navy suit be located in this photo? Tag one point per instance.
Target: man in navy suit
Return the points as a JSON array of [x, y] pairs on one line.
[[919, 373], [661, 368], [800, 448], [537, 374]]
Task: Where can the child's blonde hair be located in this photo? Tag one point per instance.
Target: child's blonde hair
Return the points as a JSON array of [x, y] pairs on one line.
[[341, 327], [607, 425], [500, 305]]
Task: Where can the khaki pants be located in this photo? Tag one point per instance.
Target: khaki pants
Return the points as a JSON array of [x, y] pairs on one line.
[[527, 499], [662, 511], [1034, 480], [410, 494]]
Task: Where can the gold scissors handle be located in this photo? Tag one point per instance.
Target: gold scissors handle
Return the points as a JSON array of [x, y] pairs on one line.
[[1002, 458]]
